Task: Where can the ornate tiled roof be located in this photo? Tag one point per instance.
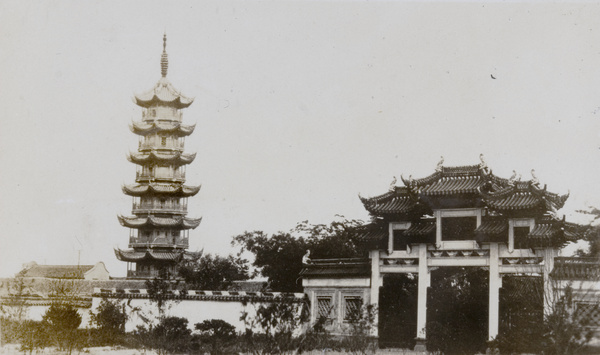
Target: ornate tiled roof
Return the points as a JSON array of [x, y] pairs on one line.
[[492, 230], [397, 201], [423, 228], [168, 222], [174, 158], [163, 93], [161, 188], [145, 128], [547, 232], [373, 233], [471, 181], [337, 267], [522, 195], [133, 256], [420, 232]]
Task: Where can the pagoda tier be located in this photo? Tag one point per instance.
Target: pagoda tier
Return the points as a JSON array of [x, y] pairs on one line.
[[163, 222], [146, 128], [159, 228], [177, 190], [173, 158], [152, 255], [163, 94]]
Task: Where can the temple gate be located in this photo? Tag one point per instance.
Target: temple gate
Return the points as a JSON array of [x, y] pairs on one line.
[[460, 217]]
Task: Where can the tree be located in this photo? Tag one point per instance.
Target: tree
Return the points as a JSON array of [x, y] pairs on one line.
[[62, 321], [217, 333], [17, 307], [279, 256], [172, 335], [208, 272], [159, 290], [591, 233], [110, 321], [272, 328]]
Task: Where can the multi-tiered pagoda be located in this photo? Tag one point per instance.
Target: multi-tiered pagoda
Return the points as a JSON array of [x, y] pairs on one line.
[[159, 228]]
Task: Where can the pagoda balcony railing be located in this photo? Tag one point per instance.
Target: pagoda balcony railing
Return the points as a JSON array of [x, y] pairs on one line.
[[181, 242], [152, 145], [142, 274], [176, 177], [157, 208], [150, 114]]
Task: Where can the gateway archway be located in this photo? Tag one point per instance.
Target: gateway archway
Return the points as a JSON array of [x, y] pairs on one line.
[[457, 217]]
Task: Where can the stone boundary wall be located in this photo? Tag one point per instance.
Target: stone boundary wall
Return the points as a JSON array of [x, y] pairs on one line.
[[194, 305]]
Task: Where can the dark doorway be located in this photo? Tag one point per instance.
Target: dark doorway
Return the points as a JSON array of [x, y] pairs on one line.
[[521, 313], [398, 311], [457, 310]]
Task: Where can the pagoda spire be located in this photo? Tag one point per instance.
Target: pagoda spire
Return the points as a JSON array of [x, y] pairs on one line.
[[164, 58]]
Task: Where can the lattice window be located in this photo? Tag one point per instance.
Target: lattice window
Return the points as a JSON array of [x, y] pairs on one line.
[[588, 314], [352, 308], [324, 307]]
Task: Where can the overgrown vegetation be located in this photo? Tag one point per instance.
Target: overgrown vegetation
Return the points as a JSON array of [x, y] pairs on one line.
[[213, 272], [109, 322], [279, 256]]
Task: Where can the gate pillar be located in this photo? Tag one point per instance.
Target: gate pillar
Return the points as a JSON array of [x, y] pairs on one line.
[[494, 297], [424, 283]]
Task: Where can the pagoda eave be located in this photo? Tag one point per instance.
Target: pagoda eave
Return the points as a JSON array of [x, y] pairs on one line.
[[161, 189], [143, 128], [173, 158], [174, 222]]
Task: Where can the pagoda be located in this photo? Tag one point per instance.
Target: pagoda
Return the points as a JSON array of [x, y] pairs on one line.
[[159, 227]]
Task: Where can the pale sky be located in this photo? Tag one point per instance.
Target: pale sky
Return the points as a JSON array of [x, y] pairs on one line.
[[299, 105]]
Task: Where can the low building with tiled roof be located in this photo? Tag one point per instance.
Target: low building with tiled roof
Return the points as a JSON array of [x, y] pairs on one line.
[[81, 272]]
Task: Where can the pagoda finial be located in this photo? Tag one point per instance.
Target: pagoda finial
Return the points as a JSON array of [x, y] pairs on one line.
[[164, 59]]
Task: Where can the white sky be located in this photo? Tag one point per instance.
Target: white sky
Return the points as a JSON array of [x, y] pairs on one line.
[[299, 106]]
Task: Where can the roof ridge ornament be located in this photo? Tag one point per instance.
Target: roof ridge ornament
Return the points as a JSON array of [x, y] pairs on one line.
[[439, 166], [513, 178], [534, 181], [164, 58], [393, 185], [483, 165]]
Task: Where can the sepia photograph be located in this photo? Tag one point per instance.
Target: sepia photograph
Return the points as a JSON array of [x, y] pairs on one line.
[[299, 176]]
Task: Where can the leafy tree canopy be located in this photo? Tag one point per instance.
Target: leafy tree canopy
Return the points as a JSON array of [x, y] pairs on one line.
[[592, 234], [279, 256], [110, 319], [214, 272]]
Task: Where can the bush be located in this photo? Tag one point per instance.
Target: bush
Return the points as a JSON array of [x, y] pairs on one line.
[[217, 333], [171, 335], [110, 322], [61, 322], [362, 323], [276, 322]]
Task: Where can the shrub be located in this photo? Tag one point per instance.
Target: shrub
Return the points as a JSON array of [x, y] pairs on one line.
[[362, 323], [276, 323], [110, 322], [170, 335], [61, 321], [217, 333]]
